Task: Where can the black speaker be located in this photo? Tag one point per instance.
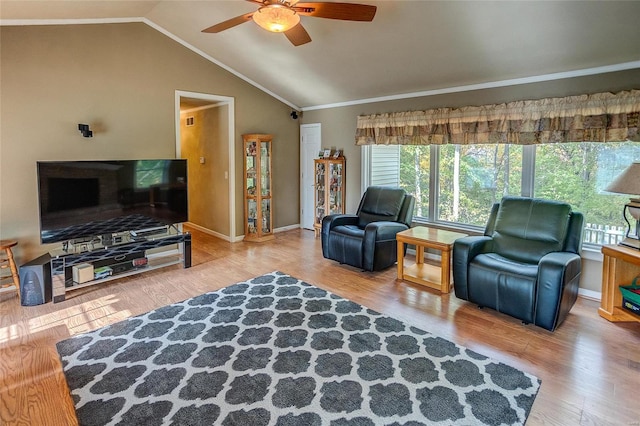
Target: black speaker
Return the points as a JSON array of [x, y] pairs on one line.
[[35, 281]]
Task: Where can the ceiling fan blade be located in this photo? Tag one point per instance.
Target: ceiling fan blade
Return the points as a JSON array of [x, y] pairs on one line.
[[229, 23], [344, 11], [298, 35]]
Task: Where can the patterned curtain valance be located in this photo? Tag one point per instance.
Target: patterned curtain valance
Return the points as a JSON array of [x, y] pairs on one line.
[[601, 117]]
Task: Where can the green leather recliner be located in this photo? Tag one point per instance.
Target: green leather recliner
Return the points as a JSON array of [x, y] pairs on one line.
[[367, 239], [527, 264]]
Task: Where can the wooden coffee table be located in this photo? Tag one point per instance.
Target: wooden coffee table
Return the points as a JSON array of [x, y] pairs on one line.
[[437, 277]]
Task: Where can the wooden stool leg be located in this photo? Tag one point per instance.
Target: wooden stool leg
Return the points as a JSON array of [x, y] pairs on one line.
[[14, 270]]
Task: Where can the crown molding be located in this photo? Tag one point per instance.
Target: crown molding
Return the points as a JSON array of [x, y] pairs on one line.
[[220, 64], [489, 85], [465, 88], [27, 22], [88, 21]]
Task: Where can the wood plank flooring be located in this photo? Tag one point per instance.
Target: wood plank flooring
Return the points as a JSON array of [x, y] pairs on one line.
[[590, 368]]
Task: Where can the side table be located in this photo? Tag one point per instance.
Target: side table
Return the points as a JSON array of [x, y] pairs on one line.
[[620, 266], [437, 277]]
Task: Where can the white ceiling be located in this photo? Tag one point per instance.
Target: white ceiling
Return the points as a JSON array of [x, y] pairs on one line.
[[411, 47]]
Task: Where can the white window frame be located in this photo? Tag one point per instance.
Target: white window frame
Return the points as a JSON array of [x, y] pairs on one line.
[[527, 187]]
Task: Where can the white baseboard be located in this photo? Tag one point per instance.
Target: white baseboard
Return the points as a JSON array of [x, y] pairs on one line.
[[286, 228], [239, 237], [275, 231], [210, 232], [590, 294]]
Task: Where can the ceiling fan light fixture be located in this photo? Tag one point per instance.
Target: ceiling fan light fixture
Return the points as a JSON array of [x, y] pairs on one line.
[[276, 18]]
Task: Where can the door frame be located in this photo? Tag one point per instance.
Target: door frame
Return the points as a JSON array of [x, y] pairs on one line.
[[220, 100], [303, 188]]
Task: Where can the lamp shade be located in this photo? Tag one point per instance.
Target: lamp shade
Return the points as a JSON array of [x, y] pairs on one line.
[[628, 182], [276, 18]]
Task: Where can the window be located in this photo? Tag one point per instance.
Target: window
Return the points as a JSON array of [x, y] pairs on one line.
[[472, 177], [415, 176], [149, 172], [578, 173], [385, 159], [459, 183]]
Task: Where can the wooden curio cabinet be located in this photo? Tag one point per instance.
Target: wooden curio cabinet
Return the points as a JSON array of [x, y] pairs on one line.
[[329, 191], [258, 207]]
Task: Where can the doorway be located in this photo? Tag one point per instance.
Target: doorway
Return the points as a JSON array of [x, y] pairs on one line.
[[205, 137]]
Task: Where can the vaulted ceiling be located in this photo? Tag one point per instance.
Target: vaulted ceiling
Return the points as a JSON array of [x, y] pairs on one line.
[[410, 48]]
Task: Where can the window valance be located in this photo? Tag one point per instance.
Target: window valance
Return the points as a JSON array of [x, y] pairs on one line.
[[601, 117]]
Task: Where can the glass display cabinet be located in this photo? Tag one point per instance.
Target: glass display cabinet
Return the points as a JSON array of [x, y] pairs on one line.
[[258, 207], [329, 191]]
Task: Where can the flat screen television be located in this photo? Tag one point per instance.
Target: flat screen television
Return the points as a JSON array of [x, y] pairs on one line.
[[86, 199]]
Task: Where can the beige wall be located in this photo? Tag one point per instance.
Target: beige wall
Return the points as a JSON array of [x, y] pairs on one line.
[[121, 79], [339, 124]]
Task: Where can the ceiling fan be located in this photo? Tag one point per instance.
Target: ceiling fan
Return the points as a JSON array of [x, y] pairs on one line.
[[283, 16]]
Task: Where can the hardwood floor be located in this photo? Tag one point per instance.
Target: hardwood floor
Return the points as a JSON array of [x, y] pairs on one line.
[[589, 367]]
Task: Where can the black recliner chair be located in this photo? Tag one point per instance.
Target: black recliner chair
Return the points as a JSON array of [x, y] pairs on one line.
[[367, 239], [526, 265]]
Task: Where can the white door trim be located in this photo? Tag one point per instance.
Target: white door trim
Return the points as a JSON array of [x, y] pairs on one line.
[[225, 100]]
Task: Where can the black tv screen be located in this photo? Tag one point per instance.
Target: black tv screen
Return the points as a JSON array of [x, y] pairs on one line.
[[85, 199]]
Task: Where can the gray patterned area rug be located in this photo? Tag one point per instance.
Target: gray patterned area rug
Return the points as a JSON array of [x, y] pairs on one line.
[[277, 351]]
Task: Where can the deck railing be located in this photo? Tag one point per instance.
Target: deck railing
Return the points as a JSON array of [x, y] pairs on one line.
[[603, 234]]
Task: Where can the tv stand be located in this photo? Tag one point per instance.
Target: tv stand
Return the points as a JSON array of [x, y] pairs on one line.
[[97, 261], [149, 231]]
